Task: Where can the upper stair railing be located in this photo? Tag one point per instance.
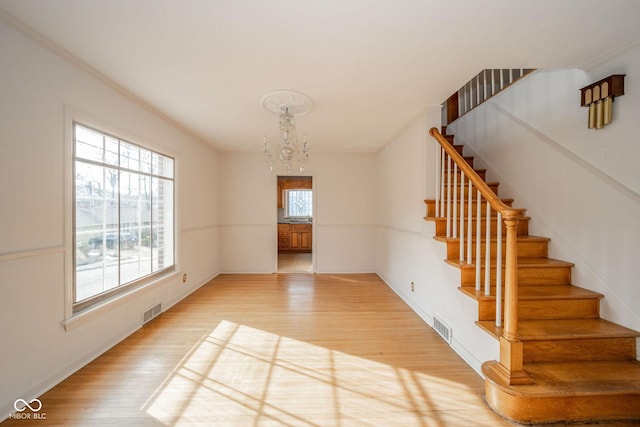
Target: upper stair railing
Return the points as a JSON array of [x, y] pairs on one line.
[[457, 185], [480, 88]]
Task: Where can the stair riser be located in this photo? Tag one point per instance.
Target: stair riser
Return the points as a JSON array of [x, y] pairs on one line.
[[579, 350], [526, 276], [441, 227], [545, 309], [526, 249]]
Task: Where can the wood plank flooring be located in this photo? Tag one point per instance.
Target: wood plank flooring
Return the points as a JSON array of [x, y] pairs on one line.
[[295, 262], [281, 350]]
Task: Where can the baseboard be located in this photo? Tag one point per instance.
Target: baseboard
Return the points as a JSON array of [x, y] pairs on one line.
[[426, 317], [467, 356]]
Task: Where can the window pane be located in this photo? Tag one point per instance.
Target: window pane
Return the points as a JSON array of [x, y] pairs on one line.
[[162, 223], [112, 149], [96, 217], [129, 156], [135, 210], [299, 203], [162, 165], [89, 144], [145, 160]]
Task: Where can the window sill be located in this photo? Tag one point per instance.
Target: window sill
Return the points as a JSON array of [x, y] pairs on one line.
[[79, 319]]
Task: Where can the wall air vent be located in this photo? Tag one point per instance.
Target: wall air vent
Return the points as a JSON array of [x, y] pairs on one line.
[[152, 313], [442, 329]]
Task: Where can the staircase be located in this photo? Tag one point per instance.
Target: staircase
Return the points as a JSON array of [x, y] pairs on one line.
[[577, 366]]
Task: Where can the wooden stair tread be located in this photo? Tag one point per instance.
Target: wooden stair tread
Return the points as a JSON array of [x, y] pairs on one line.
[[547, 292], [447, 171], [489, 183], [505, 201], [493, 219], [522, 263], [563, 329], [521, 238]]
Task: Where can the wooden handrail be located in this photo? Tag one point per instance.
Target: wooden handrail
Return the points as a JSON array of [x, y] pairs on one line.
[[510, 368], [496, 203]]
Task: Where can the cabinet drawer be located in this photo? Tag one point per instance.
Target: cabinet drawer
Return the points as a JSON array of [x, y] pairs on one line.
[[300, 228]]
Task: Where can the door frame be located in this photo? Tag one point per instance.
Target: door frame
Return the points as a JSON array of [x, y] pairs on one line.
[[274, 227]]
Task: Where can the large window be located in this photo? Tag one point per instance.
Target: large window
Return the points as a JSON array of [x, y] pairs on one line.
[[123, 215], [298, 203]]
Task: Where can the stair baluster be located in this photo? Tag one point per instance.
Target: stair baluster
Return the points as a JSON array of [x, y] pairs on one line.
[[499, 271], [487, 254], [441, 161], [478, 240], [438, 159], [461, 217], [448, 195], [455, 199], [469, 223]]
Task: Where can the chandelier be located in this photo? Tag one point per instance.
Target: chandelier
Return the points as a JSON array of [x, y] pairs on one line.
[[286, 154]]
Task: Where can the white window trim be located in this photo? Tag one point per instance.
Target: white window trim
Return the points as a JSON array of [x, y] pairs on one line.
[[72, 320]]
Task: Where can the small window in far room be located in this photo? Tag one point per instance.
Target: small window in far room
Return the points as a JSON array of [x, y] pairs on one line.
[[298, 203]]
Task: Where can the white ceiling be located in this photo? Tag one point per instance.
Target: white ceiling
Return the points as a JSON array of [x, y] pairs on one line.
[[370, 66]]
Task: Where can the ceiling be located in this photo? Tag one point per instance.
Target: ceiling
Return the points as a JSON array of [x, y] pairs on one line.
[[369, 66]]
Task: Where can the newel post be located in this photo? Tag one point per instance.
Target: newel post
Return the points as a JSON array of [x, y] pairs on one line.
[[510, 368]]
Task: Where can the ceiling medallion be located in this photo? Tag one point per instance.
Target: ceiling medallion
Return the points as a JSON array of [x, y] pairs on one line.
[[297, 102]]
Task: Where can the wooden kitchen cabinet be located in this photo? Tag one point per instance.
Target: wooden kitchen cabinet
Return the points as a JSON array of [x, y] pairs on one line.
[[280, 194], [300, 238], [284, 237], [294, 237]]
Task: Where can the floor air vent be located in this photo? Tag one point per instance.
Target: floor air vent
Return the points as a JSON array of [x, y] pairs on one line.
[[151, 313], [442, 329]]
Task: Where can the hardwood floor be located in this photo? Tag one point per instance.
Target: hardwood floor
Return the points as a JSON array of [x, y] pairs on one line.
[[295, 263], [280, 349]]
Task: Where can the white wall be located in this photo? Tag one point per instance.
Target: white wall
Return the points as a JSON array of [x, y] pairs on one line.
[[39, 93], [581, 186], [405, 249], [343, 225]]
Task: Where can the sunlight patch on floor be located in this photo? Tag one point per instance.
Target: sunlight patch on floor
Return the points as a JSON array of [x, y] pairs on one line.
[[238, 374]]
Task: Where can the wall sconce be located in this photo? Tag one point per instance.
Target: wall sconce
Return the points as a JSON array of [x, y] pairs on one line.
[[599, 96]]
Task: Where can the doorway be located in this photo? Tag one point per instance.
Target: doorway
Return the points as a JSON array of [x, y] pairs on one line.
[[295, 224]]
